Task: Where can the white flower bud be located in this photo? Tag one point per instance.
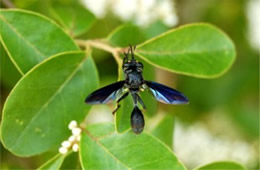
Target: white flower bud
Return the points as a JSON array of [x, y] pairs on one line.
[[72, 138], [66, 144], [78, 138], [63, 150], [170, 20], [72, 124], [76, 131], [75, 147]]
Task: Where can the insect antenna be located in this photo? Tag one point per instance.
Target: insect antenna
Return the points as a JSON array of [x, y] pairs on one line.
[[132, 48], [126, 56]]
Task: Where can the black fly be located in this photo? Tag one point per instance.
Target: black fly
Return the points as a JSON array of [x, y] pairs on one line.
[[133, 84]]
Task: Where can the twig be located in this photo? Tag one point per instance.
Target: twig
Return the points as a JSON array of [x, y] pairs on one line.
[[100, 44], [8, 4]]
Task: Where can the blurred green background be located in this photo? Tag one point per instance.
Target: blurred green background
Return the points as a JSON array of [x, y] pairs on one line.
[[222, 120]]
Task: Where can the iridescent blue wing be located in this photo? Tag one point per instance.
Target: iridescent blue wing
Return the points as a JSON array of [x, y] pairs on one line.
[[105, 94], [166, 94]]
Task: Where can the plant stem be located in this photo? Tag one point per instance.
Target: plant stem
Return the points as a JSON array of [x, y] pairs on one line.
[[8, 4], [101, 44]]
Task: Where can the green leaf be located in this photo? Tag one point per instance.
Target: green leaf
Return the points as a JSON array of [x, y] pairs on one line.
[[199, 50], [155, 29], [39, 108], [53, 163], [124, 151], [222, 165], [9, 73], [125, 35], [164, 130], [68, 161], [33, 5], [29, 38], [73, 16], [147, 97], [71, 162], [123, 115]]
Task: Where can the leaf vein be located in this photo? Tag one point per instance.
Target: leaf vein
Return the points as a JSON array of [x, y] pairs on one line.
[[179, 52], [48, 101], [23, 38], [108, 151], [151, 162]]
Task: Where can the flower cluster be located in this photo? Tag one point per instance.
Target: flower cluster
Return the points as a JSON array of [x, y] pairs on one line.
[[142, 12], [73, 140]]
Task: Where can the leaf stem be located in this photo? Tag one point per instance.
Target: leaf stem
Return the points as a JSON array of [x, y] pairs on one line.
[[101, 44], [8, 4]]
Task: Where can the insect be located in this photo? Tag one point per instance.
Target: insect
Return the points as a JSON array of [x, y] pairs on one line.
[[133, 84]]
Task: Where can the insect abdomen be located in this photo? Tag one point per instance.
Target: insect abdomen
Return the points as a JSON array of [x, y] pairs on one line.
[[137, 120]]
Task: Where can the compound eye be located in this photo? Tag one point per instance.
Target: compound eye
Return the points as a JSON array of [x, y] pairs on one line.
[[125, 66], [139, 69], [140, 65], [128, 70]]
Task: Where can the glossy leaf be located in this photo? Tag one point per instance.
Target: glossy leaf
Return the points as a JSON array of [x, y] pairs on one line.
[[30, 38], [9, 74], [164, 130], [53, 163], [73, 16], [110, 150], [148, 99], [125, 35], [155, 29], [222, 165], [38, 110], [199, 50], [71, 161], [123, 115], [33, 5]]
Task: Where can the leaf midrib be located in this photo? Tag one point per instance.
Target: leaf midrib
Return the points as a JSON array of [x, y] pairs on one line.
[[23, 38], [107, 151], [48, 101], [147, 163], [180, 52]]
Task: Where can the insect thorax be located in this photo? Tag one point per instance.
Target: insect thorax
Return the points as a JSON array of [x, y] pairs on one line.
[[134, 79]]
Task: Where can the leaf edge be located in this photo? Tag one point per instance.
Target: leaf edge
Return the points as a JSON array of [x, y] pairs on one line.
[[41, 16], [191, 74], [21, 79]]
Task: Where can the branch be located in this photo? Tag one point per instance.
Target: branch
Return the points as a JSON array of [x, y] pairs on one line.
[[8, 4], [100, 44]]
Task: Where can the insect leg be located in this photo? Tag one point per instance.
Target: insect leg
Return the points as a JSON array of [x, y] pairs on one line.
[[117, 102], [141, 101]]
